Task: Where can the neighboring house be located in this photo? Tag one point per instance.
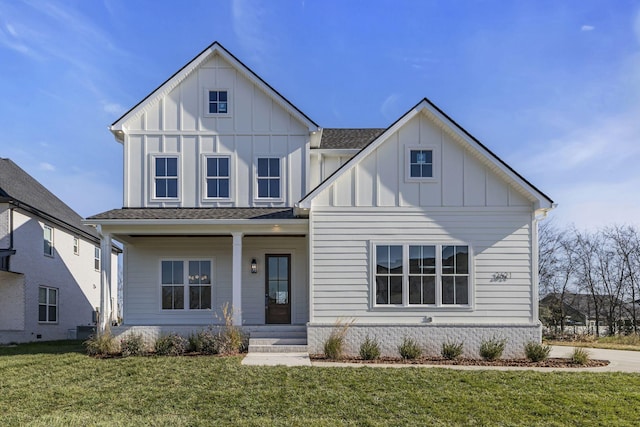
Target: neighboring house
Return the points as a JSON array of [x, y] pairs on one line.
[[49, 262], [232, 194], [576, 313]]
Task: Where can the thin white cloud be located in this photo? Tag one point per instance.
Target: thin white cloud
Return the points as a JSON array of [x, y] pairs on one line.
[[389, 107], [113, 108], [248, 26], [587, 28], [47, 167]]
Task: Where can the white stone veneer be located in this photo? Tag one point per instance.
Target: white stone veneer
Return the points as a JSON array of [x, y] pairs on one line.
[[430, 337]]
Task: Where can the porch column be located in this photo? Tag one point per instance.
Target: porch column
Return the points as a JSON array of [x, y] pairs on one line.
[[236, 295], [105, 281]]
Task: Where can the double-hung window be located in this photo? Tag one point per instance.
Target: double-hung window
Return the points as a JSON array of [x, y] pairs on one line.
[[186, 280], [76, 246], [96, 258], [48, 240], [269, 178], [415, 274], [166, 177], [47, 304], [217, 177]]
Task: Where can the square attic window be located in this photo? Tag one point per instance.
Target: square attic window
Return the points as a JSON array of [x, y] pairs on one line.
[[218, 102]]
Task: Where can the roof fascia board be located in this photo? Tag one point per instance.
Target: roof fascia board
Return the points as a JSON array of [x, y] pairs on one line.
[[133, 222], [173, 81], [335, 151]]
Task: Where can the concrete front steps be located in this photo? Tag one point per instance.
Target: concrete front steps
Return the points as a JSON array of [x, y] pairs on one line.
[[278, 339]]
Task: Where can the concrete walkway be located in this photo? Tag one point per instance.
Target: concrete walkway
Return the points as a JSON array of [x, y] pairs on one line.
[[620, 361]]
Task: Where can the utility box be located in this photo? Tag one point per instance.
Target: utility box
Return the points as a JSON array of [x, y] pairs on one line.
[[84, 332]]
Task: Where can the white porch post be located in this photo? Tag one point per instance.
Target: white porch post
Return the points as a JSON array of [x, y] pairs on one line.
[[236, 295], [105, 281]]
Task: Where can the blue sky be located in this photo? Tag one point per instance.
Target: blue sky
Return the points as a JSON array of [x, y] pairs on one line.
[[552, 87]]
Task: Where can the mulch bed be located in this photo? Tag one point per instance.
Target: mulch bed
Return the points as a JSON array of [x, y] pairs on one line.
[[549, 363]]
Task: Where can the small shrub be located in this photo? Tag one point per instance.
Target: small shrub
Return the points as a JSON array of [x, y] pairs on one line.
[[204, 342], [409, 349], [103, 344], [537, 352], [132, 345], [334, 345], [171, 345], [369, 349], [451, 350], [580, 356], [231, 338], [492, 349]]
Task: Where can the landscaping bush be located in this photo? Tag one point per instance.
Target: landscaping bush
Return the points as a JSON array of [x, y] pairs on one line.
[[103, 344], [204, 342], [231, 338], [171, 345], [369, 349], [409, 349], [492, 349], [334, 345], [132, 345], [580, 356], [451, 350], [537, 352]]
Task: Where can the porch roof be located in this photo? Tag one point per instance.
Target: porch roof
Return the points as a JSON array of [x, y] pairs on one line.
[[195, 214]]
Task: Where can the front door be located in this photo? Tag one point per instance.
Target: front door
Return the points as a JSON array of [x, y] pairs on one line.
[[278, 289]]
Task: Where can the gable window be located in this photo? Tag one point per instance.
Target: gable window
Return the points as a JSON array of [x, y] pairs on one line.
[[191, 284], [269, 178], [217, 177], [421, 163], [47, 304], [76, 246], [48, 240], [166, 177], [218, 102], [435, 275], [96, 258]]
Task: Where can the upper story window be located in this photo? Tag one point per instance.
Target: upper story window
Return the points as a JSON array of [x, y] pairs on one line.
[[48, 240], [76, 246], [437, 275], [217, 176], [96, 258], [421, 164], [218, 102], [166, 177], [269, 178], [47, 304]]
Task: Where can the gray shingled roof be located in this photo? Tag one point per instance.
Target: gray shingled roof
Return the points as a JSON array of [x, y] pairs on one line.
[[21, 188], [343, 138], [197, 213]]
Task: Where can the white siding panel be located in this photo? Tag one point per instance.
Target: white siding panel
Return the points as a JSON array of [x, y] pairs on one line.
[[474, 182], [452, 177], [387, 159], [154, 116], [171, 119], [190, 98]]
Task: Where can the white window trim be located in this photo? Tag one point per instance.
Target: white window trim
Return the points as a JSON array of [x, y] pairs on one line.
[[405, 279], [152, 178], [52, 245], [76, 246], [57, 305], [97, 251], [435, 166], [205, 103], [255, 178], [185, 272], [203, 179]]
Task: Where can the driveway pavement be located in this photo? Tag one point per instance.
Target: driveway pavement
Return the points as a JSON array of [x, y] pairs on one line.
[[621, 360]]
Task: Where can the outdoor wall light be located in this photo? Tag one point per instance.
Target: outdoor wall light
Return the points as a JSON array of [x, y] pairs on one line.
[[254, 266]]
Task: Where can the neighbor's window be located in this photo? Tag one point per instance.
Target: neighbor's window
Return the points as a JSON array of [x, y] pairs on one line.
[[47, 304], [96, 258], [48, 240], [217, 177], [421, 164], [174, 280], [218, 102], [76, 246], [166, 177], [269, 178], [436, 275]]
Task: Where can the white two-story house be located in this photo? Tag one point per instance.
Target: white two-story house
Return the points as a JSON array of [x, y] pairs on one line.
[[233, 195], [49, 263]]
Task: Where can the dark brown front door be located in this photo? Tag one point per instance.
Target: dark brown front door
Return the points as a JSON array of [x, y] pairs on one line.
[[278, 289]]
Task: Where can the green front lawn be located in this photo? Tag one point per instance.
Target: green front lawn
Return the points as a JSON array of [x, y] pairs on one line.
[[55, 384]]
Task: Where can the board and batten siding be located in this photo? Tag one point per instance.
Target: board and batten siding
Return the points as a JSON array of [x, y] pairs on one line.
[[142, 305], [256, 125], [466, 202]]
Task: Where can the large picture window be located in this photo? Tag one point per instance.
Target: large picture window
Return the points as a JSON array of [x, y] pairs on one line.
[[435, 275], [166, 177], [47, 304], [186, 280]]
